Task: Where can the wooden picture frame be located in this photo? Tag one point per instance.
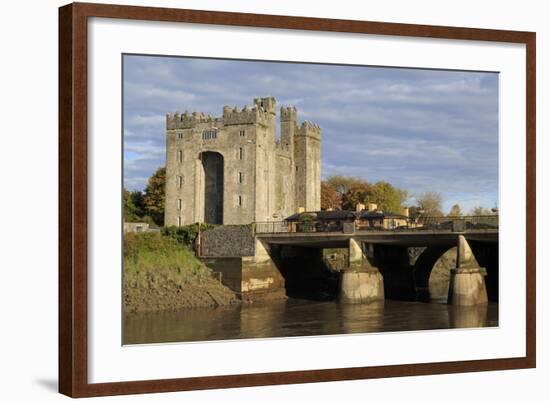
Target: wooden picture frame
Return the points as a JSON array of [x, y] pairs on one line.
[[73, 195]]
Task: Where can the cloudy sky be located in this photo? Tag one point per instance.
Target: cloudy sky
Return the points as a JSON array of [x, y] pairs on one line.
[[421, 130]]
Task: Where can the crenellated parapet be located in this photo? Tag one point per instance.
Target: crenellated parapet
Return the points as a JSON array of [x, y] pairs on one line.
[[187, 120], [288, 113], [260, 113], [247, 115], [265, 104], [307, 128]]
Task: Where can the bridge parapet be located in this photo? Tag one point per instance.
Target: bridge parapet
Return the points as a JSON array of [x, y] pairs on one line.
[[459, 224]]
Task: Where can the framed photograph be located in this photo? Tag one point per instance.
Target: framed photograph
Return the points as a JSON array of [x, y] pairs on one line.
[[250, 200]]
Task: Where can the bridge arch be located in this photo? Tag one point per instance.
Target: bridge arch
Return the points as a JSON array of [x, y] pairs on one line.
[[423, 267], [486, 254]]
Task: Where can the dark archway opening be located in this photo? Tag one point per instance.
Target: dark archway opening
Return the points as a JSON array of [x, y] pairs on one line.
[[212, 163], [305, 273]]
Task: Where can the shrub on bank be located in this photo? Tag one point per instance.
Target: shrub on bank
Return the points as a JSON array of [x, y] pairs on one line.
[[186, 235]]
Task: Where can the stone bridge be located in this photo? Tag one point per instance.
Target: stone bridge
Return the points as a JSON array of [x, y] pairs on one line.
[[379, 263]]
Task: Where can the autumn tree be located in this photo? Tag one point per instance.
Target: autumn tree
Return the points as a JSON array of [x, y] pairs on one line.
[[154, 197], [357, 192], [430, 203], [330, 198], [387, 197], [343, 183], [455, 211]]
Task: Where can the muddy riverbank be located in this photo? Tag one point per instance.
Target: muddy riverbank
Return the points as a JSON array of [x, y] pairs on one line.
[[161, 274], [171, 296]]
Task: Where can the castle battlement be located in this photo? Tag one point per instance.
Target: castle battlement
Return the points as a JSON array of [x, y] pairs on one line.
[[288, 113], [258, 114], [308, 128], [187, 120], [266, 104], [254, 115]]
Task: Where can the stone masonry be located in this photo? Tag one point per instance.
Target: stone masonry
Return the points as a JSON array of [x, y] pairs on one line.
[[233, 170]]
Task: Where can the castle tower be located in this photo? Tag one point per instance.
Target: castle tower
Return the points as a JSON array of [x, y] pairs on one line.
[[307, 157], [230, 169], [267, 105], [289, 127]]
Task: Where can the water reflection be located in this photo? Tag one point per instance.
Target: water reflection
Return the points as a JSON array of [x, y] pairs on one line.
[[296, 317], [469, 316]]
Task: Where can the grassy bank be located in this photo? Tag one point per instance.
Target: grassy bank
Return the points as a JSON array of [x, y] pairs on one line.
[[162, 274]]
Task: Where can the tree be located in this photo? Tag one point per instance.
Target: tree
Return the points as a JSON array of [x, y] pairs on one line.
[[139, 202], [130, 210], [154, 197], [357, 192], [387, 197], [414, 212], [330, 198], [481, 211], [455, 211], [342, 183], [430, 203]]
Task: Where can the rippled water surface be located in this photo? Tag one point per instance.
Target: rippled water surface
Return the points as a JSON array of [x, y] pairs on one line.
[[297, 317]]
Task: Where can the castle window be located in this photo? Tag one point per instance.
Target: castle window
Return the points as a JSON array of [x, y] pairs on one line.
[[240, 201], [241, 177], [242, 133], [179, 221], [209, 134], [180, 181], [179, 204], [180, 135], [180, 156], [241, 153]]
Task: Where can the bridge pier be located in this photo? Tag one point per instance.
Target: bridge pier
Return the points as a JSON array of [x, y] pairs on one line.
[[467, 286], [360, 282]]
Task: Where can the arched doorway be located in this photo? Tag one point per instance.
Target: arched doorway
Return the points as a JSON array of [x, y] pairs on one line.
[[212, 164]]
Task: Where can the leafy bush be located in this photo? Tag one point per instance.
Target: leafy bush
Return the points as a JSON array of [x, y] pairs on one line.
[[185, 235]]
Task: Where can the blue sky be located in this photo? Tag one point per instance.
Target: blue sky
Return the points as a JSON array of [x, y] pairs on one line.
[[421, 130]]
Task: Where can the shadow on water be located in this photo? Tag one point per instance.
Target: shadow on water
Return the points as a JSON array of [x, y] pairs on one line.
[[301, 317]]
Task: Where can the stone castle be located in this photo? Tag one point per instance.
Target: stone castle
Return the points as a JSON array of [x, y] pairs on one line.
[[233, 170]]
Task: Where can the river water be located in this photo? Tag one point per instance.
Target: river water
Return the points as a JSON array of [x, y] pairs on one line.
[[298, 317]]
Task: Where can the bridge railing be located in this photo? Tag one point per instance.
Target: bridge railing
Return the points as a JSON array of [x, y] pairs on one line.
[[271, 227], [423, 223], [458, 223]]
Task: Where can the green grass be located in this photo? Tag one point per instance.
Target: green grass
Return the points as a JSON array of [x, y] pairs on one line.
[[151, 259]]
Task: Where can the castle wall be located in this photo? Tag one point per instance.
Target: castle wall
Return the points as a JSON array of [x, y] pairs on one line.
[[239, 175], [259, 179]]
